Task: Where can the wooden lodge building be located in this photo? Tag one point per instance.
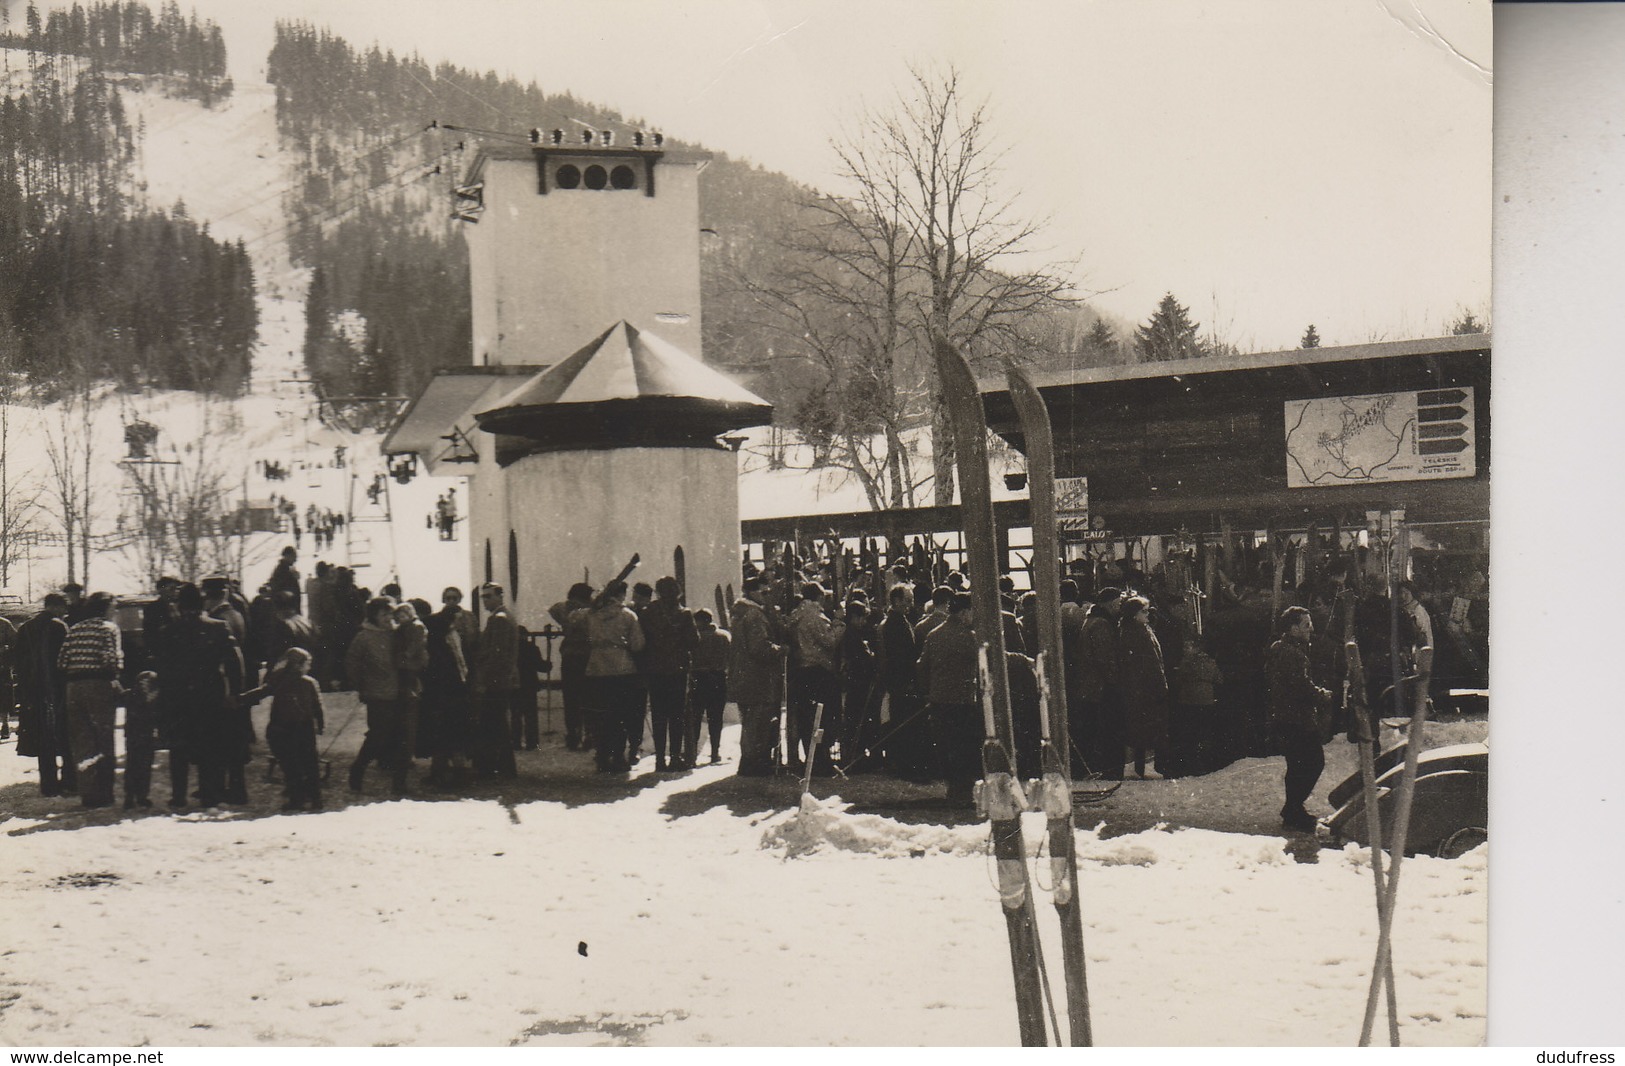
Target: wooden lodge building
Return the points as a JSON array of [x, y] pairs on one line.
[[1329, 440]]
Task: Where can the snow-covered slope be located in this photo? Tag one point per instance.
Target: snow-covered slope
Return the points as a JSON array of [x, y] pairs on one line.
[[225, 166]]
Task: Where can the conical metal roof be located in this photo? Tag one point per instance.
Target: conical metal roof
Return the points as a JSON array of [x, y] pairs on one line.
[[626, 388]]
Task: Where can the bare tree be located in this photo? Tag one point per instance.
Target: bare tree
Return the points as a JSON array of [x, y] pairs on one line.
[[967, 231], [838, 299], [70, 448], [924, 242], [188, 517]]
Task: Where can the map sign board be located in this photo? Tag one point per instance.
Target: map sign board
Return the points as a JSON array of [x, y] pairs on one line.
[[1072, 503], [1387, 436]]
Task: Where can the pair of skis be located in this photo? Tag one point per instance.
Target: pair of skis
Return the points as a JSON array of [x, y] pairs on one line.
[[1001, 796], [1363, 733]]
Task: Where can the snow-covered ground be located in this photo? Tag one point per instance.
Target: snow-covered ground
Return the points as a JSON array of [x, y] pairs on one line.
[[572, 908], [674, 911]]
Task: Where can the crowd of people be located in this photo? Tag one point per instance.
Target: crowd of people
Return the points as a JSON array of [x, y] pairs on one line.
[[881, 677], [434, 684]]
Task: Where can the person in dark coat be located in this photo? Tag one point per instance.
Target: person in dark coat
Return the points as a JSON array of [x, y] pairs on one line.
[[321, 608], [1093, 699], [1143, 681], [1025, 714], [444, 711], [710, 681], [907, 738], [259, 618], [411, 651], [42, 698], [860, 695], [1238, 635], [140, 739], [1298, 709], [286, 629], [752, 681], [496, 679], [296, 720], [200, 673], [285, 578], [948, 673], [524, 714], [219, 604], [157, 615], [349, 614], [669, 639]]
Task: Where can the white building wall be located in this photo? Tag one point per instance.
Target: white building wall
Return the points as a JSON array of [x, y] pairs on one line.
[[550, 272], [659, 498], [487, 517]]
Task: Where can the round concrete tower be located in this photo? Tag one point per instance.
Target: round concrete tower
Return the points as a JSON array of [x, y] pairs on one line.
[[615, 451]]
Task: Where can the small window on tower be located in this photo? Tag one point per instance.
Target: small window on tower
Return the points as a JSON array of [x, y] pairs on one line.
[[622, 177], [568, 177], [595, 177]]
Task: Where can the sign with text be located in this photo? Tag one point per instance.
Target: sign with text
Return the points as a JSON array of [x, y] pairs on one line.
[[1387, 436], [1072, 504]]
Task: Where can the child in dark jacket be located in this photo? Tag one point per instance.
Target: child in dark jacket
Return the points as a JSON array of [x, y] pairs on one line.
[[1192, 739], [296, 719]]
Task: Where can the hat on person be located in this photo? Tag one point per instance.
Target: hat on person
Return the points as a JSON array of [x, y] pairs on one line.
[[1108, 594]]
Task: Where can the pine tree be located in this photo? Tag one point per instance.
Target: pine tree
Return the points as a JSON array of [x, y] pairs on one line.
[[1101, 342], [1465, 325], [1311, 338], [1168, 334]]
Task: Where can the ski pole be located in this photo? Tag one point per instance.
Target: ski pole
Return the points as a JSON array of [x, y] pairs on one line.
[[812, 749], [1057, 804], [1361, 734], [1402, 820]]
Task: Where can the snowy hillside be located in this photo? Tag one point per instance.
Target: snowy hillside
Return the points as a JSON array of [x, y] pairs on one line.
[[224, 165]]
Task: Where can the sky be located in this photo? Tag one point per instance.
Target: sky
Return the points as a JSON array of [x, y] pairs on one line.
[[1271, 163]]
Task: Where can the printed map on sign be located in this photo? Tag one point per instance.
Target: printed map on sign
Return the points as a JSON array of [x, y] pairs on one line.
[[1389, 436]]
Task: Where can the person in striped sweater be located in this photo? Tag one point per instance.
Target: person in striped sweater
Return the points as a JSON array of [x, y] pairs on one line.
[[91, 658]]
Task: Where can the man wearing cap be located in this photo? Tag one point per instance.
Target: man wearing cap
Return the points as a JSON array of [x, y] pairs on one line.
[[78, 609], [200, 670], [1097, 727], [496, 679], [948, 672], [157, 615]]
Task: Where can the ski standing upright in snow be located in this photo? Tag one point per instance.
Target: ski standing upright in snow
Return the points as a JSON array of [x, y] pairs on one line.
[[1000, 794], [1057, 777]]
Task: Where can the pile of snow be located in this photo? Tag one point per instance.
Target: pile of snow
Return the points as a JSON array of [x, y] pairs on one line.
[[828, 823]]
